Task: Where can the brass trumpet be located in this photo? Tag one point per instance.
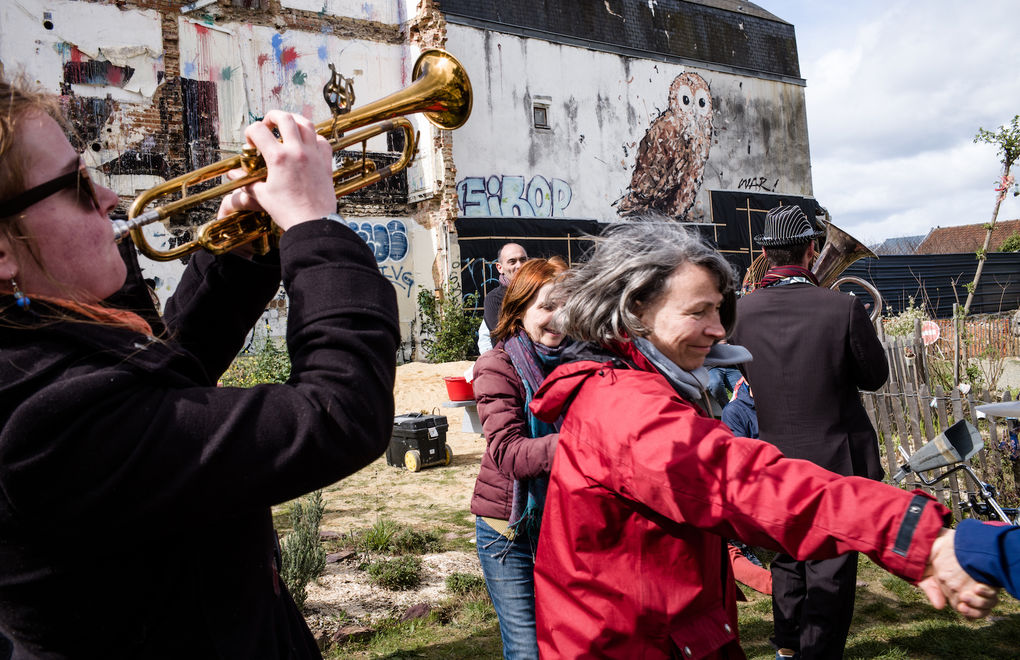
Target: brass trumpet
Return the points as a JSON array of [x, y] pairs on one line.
[[441, 90]]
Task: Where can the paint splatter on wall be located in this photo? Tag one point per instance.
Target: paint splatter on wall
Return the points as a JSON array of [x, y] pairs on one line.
[[91, 49]]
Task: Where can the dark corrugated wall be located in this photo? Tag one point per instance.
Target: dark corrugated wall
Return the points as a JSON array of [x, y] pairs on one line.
[[941, 279]]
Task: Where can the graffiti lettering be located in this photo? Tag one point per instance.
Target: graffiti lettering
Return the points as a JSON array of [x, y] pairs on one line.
[[387, 241], [757, 183], [401, 278], [507, 196], [479, 273]]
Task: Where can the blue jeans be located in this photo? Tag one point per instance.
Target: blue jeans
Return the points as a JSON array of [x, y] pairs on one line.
[[721, 379], [509, 569]]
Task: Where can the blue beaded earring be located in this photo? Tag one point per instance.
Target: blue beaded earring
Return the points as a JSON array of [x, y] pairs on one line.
[[20, 298]]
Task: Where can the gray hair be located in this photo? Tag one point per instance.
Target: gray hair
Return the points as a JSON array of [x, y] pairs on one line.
[[630, 266]]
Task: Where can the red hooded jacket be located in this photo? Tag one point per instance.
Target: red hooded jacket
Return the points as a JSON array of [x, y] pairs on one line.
[[644, 488]]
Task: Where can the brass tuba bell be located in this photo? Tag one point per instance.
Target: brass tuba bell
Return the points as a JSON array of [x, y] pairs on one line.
[[840, 250]]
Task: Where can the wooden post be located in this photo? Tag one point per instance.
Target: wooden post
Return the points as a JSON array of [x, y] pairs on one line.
[[956, 344], [920, 356]]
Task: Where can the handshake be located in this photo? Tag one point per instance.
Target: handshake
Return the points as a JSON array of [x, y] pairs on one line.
[[946, 581]]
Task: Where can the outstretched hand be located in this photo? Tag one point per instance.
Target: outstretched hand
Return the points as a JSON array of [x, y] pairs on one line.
[[946, 581], [299, 183]]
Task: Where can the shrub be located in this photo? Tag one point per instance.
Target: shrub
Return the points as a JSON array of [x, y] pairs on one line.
[[303, 557], [464, 583], [1012, 243], [269, 364], [412, 542], [396, 574], [903, 323], [449, 329]]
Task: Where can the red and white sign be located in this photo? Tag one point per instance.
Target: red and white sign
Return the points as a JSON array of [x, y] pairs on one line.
[[929, 332]]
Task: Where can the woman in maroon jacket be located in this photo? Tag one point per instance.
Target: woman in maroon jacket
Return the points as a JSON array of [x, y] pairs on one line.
[[510, 491], [115, 441]]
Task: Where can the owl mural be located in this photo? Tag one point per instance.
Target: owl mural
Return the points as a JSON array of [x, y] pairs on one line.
[[671, 157]]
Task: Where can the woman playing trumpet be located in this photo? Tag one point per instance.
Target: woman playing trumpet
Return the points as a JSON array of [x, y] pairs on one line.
[[134, 494]]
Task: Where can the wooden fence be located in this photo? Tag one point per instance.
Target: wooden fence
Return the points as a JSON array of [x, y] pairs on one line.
[[911, 416], [985, 335]]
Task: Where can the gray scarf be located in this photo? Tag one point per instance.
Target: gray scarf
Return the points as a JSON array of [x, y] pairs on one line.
[[692, 385]]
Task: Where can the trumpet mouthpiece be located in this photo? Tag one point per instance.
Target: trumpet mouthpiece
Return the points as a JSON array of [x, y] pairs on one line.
[[122, 228]]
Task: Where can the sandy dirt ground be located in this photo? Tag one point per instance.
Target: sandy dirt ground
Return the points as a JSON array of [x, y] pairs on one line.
[[434, 497]]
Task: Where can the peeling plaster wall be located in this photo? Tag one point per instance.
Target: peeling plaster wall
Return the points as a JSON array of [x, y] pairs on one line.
[[154, 91], [104, 49], [600, 106], [380, 12], [255, 68]]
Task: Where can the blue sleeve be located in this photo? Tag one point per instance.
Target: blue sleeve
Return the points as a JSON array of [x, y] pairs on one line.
[[990, 553], [740, 418]]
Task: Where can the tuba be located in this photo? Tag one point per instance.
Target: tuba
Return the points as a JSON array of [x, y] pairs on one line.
[[441, 90], [840, 250]]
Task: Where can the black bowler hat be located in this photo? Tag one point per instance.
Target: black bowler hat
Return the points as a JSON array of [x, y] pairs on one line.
[[785, 226]]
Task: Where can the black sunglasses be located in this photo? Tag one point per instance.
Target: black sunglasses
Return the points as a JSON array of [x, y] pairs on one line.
[[78, 179]]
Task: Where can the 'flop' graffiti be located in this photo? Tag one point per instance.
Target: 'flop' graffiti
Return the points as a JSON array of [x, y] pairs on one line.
[[505, 195]]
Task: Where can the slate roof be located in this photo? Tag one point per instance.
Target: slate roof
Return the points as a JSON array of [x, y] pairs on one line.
[[726, 33], [966, 238], [898, 245]]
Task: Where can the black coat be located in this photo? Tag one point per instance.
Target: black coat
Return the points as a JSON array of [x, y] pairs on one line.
[[813, 350], [135, 495]]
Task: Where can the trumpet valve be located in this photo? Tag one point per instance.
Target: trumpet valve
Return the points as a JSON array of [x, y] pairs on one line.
[[251, 160]]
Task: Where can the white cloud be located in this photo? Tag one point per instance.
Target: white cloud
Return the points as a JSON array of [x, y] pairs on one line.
[[896, 92]]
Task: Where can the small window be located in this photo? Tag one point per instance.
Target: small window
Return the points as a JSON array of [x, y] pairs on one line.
[[541, 114]]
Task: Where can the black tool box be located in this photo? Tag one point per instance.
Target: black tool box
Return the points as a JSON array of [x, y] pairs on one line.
[[418, 441]]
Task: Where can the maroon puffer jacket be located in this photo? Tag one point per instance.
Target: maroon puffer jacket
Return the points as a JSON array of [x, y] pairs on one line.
[[510, 454]]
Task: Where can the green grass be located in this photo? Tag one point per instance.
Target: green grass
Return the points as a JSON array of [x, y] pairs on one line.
[[409, 541], [461, 629], [465, 583], [893, 621], [377, 538]]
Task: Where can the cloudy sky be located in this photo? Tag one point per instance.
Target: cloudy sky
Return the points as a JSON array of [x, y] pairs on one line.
[[896, 91]]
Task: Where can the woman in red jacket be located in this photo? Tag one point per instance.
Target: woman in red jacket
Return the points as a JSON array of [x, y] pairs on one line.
[[645, 485], [510, 490]]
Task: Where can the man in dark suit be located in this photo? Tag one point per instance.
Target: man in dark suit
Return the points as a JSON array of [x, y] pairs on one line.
[[813, 349]]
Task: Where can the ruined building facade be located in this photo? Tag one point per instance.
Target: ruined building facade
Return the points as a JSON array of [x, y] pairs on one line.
[[582, 111]]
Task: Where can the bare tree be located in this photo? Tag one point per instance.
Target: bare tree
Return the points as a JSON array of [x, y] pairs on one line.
[[1007, 139]]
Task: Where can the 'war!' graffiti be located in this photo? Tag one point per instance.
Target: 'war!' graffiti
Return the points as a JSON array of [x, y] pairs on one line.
[[507, 195], [758, 183]]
